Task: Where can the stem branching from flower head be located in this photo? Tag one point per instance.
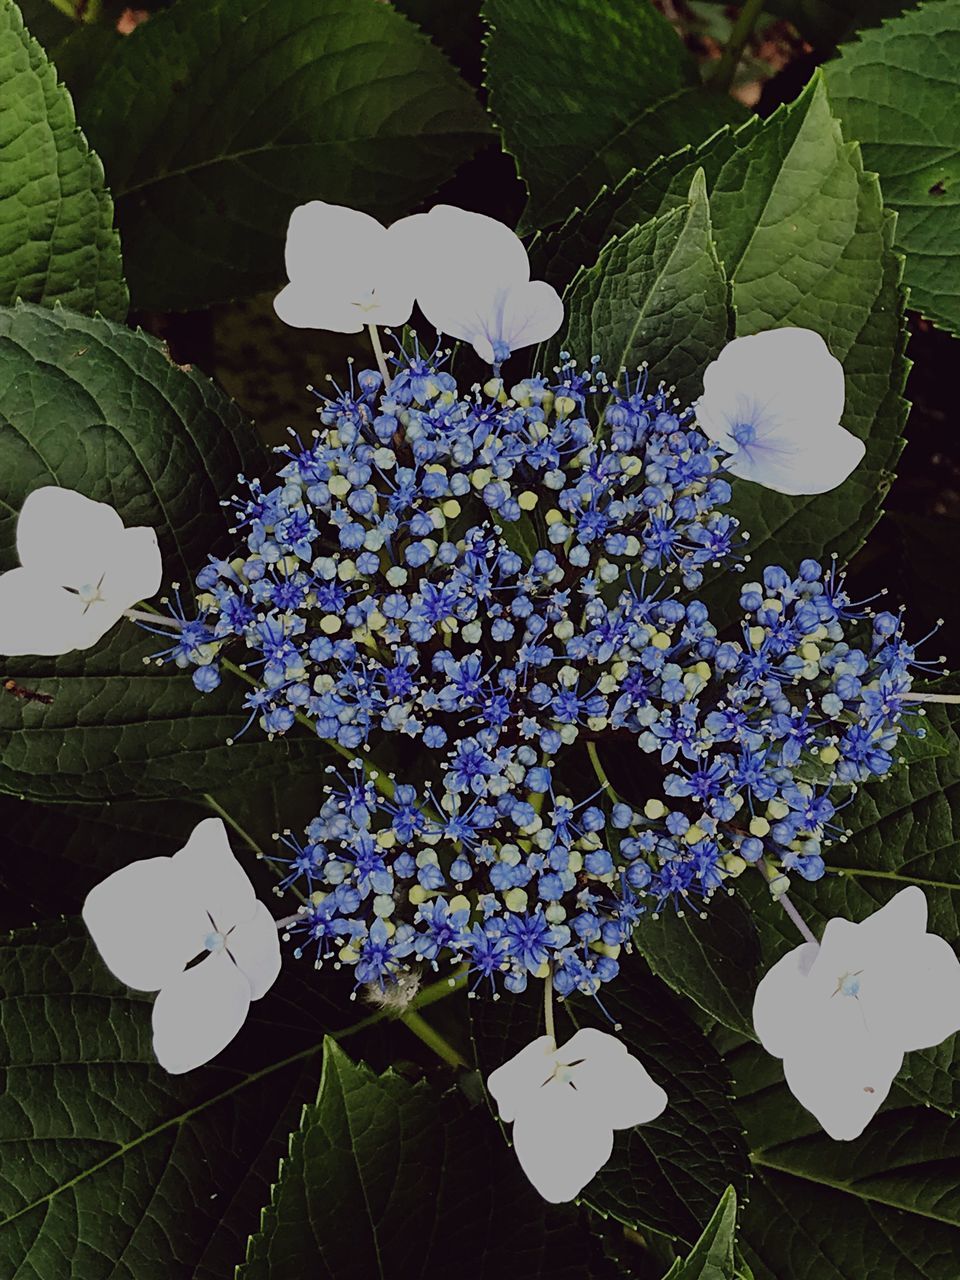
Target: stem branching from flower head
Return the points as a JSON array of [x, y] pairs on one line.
[[788, 906], [432, 1038], [548, 1005], [742, 30], [155, 619], [378, 352], [599, 771]]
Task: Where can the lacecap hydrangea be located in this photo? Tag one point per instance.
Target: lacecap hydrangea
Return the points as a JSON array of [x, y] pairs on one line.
[[506, 580]]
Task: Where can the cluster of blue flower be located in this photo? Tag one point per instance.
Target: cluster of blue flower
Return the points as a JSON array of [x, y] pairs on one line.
[[496, 577]]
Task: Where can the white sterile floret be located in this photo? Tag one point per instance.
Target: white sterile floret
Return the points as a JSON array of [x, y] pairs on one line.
[[565, 1104], [346, 271], [843, 1013], [80, 571], [150, 920], [774, 400], [473, 282]]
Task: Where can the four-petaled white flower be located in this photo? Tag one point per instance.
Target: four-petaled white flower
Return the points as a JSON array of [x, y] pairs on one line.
[[841, 1015], [473, 282], [80, 571], [565, 1104], [151, 919], [774, 401], [346, 271]]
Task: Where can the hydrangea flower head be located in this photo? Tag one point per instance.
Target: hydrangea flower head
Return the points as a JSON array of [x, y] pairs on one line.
[[489, 584]]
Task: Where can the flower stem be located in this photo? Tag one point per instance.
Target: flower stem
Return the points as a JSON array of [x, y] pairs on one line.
[[244, 835], [378, 352], [548, 1025], [726, 68], [251, 844], [599, 771], [789, 908], [155, 619], [951, 698], [379, 779], [432, 1038]]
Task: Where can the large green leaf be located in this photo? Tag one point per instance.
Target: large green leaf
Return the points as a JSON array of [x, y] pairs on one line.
[[666, 1176], [801, 232], [112, 1169], [253, 107], [93, 406], [712, 961], [905, 830], [884, 1206], [657, 293], [896, 89], [421, 1179], [712, 1256], [57, 241], [585, 91]]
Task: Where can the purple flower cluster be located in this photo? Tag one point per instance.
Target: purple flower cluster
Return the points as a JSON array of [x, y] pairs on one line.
[[495, 578]]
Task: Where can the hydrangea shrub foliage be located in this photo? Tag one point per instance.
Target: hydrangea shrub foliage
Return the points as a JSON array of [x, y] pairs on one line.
[[482, 823]]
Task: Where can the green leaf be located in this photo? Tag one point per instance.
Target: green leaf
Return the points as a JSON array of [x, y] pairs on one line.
[[253, 108], [711, 961], [585, 91], [884, 1206], [803, 238], [93, 406], [712, 1256], [658, 293], [421, 1179], [114, 1170], [523, 536], [57, 242], [904, 830], [666, 1176], [896, 90]]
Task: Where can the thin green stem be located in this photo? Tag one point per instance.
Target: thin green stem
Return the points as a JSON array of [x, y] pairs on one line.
[[379, 779], [432, 1038], [378, 352], [548, 1024], [249, 841], [231, 821], [599, 771], [726, 68]]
